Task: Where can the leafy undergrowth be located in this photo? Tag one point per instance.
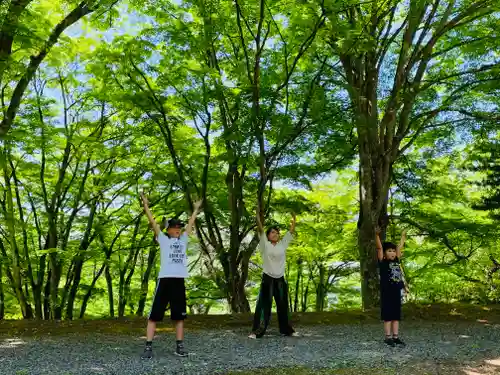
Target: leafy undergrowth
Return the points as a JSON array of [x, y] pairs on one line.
[[136, 325]]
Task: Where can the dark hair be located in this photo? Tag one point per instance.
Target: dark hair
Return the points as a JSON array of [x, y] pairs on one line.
[[274, 227], [388, 245]]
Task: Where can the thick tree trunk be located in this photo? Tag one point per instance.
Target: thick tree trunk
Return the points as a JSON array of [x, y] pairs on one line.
[[373, 213], [368, 265], [238, 299]]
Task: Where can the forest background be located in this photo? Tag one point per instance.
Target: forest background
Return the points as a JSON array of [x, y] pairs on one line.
[[351, 114]]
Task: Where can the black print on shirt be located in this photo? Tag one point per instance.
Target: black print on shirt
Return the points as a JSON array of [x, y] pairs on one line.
[[177, 253]]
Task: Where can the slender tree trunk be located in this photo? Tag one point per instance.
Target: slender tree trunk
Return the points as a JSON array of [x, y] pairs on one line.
[[37, 289], [87, 296], [79, 260], [122, 301], [2, 295], [304, 298], [77, 272], [297, 285], [145, 281], [111, 300], [46, 297], [17, 277], [320, 290]]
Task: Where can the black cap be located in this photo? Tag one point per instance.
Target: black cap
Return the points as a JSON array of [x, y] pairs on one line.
[[174, 223]]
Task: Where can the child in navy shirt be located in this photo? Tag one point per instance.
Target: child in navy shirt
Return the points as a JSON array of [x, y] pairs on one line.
[[391, 287]]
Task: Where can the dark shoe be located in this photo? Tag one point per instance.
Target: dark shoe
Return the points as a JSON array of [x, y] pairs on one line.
[[180, 352], [398, 342], [148, 353], [390, 342]]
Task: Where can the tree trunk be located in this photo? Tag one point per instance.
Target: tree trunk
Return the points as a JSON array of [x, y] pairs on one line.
[[374, 187], [55, 276], [145, 281], [46, 297], [2, 295], [128, 280], [17, 277], [304, 298], [37, 290], [122, 300], [111, 300], [239, 300], [77, 273], [297, 284], [320, 290], [87, 296]]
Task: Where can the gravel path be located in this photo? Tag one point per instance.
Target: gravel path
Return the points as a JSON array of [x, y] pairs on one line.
[[218, 351]]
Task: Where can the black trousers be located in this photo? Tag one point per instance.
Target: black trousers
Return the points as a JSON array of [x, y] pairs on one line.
[[390, 304], [268, 288]]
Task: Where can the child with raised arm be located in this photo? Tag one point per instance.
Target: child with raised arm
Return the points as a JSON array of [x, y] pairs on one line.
[[170, 288], [273, 284], [391, 287]]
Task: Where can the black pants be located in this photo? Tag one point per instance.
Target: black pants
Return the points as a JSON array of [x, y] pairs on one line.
[[390, 304], [279, 289]]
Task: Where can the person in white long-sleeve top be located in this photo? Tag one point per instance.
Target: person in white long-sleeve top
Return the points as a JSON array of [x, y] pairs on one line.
[[273, 251]]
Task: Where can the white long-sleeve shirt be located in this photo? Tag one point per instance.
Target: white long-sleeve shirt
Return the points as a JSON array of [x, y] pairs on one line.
[[274, 256]]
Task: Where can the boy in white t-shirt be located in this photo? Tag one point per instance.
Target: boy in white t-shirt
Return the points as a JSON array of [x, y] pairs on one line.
[[170, 288], [273, 251]]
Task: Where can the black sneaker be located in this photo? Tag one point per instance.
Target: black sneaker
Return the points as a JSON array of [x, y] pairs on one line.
[[390, 342], [148, 353], [180, 351], [398, 342]]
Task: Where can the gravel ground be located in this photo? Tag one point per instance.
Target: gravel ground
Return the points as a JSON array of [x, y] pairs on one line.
[[215, 352]]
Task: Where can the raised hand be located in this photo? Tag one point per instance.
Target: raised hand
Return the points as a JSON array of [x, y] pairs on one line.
[[144, 199], [198, 204], [403, 235]]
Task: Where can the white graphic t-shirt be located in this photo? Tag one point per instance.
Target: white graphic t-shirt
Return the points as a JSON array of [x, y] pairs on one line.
[[173, 256]]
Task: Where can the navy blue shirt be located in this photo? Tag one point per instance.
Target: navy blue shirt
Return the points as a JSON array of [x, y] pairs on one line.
[[391, 276]]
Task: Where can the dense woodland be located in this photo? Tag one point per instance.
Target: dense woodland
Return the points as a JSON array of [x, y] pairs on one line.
[[351, 113]]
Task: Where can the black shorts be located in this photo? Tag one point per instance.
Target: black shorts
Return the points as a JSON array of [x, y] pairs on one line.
[[169, 290], [390, 304]]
